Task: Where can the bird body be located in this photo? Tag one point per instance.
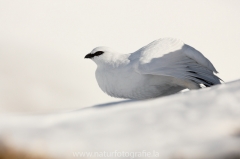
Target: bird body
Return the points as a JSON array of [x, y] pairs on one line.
[[163, 67]]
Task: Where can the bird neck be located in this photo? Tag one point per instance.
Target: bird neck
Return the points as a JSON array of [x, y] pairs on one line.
[[114, 61]]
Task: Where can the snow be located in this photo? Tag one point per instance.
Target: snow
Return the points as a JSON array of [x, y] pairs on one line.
[[195, 124]]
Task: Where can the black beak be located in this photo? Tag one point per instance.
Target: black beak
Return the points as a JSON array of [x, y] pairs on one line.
[[88, 56]]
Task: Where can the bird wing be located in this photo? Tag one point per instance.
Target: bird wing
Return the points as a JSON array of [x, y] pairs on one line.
[[171, 57]]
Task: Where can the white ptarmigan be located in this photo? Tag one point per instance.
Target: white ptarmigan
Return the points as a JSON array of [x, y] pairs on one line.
[[163, 67]]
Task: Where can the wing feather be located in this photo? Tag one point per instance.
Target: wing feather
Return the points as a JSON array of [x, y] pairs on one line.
[[171, 57]]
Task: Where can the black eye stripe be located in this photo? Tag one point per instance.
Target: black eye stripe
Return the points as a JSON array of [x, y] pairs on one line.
[[95, 54], [98, 53]]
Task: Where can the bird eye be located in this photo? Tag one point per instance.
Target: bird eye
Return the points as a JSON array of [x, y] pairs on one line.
[[98, 53]]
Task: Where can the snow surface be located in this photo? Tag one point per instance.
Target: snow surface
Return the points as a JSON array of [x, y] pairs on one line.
[[195, 124]]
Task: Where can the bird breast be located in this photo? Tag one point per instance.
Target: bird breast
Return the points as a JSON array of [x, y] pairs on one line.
[[124, 83], [116, 82]]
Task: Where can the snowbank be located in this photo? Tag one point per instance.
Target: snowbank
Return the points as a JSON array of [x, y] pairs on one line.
[[196, 124]]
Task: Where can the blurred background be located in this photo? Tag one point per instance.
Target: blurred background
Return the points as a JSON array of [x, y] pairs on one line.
[[43, 44]]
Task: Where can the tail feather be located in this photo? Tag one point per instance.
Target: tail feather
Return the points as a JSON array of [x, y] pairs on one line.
[[205, 77]]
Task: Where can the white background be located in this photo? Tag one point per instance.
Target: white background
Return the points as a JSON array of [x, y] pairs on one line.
[[43, 44]]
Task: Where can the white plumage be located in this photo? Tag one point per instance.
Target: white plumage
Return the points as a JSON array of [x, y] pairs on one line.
[[163, 67]]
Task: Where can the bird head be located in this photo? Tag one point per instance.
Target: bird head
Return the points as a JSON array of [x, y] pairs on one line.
[[101, 54]]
